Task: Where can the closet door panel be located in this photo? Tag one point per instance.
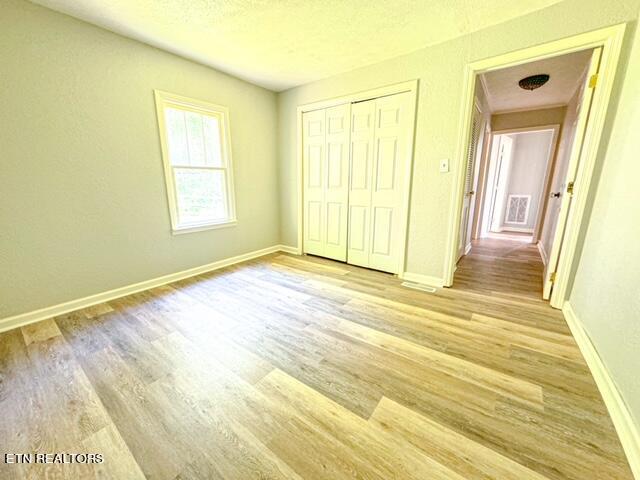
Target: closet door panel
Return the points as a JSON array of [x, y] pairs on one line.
[[362, 128], [337, 182], [313, 166], [392, 137], [382, 228]]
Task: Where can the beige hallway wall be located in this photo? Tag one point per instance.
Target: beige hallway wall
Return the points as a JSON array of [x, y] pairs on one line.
[[83, 207], [528, 118], [440, 71]]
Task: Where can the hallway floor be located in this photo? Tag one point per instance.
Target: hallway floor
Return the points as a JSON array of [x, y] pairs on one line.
[[501, 267]]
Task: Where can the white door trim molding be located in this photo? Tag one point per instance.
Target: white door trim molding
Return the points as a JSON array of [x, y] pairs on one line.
[[412, 88], [506, 228], [543, 253], [610, 38], [622, 420], [9, 323]]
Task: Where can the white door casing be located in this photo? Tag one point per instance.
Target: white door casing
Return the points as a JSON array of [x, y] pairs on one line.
[[572, 172]]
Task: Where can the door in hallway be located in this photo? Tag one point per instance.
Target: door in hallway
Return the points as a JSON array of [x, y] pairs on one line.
[[469, 184], [500, 180], [573, 169]]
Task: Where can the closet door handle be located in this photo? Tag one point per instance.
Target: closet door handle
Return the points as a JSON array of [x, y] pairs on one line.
[[556, 195]]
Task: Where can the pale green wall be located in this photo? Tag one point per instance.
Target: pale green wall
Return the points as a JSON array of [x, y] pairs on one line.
[[440, 69], [83, 207], [606, 290]]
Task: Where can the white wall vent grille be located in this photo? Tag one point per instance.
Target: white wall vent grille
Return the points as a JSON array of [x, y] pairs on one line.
[[518, 209]]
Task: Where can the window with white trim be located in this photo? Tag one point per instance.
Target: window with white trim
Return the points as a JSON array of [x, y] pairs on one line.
[[196, 151]]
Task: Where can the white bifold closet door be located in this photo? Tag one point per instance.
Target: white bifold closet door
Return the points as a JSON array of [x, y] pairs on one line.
[[354, 160], [326, 187], [381, 136]]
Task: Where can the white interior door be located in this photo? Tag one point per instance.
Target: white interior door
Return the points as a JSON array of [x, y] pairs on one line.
[[393, 136], [489, 186], [325, 171], [337, 182], [313, 166], [572, 170], [468, 199], [381, 135], [501, 181], [362, 146], [479, 175]]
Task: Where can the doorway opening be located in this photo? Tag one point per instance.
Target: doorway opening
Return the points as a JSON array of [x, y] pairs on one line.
[[517, 180], [532, 123]]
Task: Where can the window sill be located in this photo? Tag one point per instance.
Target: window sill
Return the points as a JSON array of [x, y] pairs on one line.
[[201, 228]]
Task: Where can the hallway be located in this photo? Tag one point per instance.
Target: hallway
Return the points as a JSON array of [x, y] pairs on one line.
[[501, 267]]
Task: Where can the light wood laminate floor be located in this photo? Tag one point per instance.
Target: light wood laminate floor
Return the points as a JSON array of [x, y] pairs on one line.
[[501, 268], [303, 368]]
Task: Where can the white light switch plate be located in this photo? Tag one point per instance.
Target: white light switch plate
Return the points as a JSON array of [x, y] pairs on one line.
[[444, 165]]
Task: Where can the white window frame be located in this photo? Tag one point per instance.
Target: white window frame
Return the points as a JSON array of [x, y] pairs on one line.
[[171, 100]]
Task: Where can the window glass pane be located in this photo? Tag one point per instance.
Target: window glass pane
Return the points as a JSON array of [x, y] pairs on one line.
[[176, 136], [201, 195], [195, 138], [212, 141]]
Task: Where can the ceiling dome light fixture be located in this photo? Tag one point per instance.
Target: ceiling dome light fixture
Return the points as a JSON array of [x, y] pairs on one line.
[[534, 81]]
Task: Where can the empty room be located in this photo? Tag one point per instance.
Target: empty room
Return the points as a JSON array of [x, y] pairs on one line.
[[320, 240]]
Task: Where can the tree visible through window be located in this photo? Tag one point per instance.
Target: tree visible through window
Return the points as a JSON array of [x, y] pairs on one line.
[[197, 160]]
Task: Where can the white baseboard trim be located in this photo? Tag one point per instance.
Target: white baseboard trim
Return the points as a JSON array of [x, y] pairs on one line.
[[515, 229], [543, 253], [422, 279], [628, 431], [290, 249], [22, 319]]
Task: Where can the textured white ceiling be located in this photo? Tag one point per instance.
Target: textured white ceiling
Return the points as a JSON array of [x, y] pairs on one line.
[[283, 43], [565, 72]]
